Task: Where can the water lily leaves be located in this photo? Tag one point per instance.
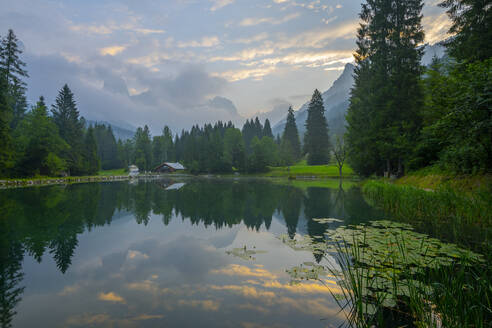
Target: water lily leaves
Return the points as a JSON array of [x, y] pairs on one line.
[[305, 243], [327, 220], [306, 271], [383, 260], [244, 253]]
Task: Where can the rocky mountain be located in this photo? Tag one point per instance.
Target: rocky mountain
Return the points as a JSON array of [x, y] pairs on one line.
[[121, 130], [278, 113], [336, 99]]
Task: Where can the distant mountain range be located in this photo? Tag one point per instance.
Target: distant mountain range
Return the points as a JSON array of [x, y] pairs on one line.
[[337, 98], [121, 130], [336, 101]]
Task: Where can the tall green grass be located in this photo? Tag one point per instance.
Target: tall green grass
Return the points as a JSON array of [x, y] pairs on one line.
[[456, 295], [460, 218], [461, 294]]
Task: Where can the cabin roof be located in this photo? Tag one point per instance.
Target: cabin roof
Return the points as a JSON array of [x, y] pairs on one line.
[[174, 166]]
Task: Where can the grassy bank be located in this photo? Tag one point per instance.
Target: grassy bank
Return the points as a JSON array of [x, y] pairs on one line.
[[460, 217], [301, 170], [457, 211], [112, 172], [433, 178]]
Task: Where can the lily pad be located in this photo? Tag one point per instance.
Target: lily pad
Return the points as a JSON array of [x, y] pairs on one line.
[[245, 253]]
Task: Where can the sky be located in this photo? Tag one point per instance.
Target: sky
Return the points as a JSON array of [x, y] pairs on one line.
[[186, 62]]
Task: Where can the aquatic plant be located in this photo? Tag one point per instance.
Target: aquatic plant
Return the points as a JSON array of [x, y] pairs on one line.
[[391, 275], [245, 253], [460, 218]]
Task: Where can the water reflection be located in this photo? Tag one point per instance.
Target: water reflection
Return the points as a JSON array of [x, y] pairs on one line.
[[182, 273]]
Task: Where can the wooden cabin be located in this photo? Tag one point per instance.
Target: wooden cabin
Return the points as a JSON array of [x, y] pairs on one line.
[[168, 167]]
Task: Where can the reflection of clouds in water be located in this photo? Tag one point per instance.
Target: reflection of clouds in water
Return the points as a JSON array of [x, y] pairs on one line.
[[223, 240], [155, 282], [244, 271]]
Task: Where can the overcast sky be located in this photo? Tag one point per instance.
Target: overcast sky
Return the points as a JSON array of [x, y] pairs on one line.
[[161, 62]]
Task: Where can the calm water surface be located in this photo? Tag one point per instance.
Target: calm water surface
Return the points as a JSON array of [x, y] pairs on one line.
[[154, 254]]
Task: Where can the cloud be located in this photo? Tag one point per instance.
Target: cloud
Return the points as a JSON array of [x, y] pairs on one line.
[[179, 100], [205, 42], [207, 305], [111, 297], [242, 74], [256, 38], [252, 21], [113, 50], [217, 4], [436, 27]]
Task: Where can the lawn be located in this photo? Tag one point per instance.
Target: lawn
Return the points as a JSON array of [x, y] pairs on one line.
[[303, 170], [112, 172]]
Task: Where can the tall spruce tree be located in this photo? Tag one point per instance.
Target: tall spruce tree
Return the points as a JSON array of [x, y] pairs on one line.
[[143, 149], [472, 29], [290, 147], [71, 128], [267, 129], [383, 117], [92, 162], [316, 139], [40, 144], [12, 67], [6, 146]]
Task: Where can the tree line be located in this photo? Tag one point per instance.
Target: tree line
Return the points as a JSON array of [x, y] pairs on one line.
[[58, 141], [404, 116], [223, 148]]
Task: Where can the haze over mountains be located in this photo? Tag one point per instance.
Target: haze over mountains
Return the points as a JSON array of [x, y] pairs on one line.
[[336, 98], [336, 101]]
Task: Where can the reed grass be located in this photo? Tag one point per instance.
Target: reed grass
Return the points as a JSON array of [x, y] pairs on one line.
[[456, 295], [457, 217]]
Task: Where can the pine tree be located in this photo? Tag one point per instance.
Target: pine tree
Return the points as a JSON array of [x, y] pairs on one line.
[[6, 146], [92, 160], [472, 29], [290, 145], [316, 140], [70, 126], [143, 149], [12, 68], [267, 129], [258, 128], [10, 63], [40, 144], [383, 117]]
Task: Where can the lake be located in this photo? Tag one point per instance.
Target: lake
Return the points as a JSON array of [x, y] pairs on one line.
[[198, 252]]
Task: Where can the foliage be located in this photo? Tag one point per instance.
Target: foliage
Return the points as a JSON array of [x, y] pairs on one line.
[[6, 146], [39, 145], [92, 161], [290, 146], [383, 118], [340, 153], [107, 148], [143, 149], [472, 29], [163, 147], [234, 153], [316, 140], [71, 128], [461, 218], [391, 275]]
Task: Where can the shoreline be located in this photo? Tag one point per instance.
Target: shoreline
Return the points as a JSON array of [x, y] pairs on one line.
[[50, 181]]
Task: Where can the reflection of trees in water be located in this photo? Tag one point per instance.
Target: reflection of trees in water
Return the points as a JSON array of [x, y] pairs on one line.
[[11, 255], [49, 219]]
